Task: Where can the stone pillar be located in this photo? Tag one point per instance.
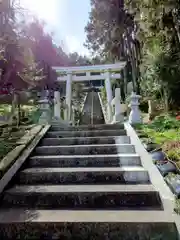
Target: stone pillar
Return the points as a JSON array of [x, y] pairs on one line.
[[109, 95], [119, 117], [135, 115], [45, 108], [68, 96], [57, 105]]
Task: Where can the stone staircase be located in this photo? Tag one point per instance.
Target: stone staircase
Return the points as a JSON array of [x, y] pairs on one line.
[[92, 109], [85, 183]]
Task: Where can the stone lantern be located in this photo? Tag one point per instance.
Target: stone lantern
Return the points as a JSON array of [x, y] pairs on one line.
[[135, 115]]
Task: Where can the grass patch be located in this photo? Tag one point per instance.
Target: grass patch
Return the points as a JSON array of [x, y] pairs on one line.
[[164, 136], [165, 131]]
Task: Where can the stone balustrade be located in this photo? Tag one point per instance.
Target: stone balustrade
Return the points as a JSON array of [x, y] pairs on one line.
[[115, 110], [118, 109]]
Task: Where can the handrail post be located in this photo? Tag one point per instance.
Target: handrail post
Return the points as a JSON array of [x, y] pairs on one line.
[[118, 117], [109, 95]]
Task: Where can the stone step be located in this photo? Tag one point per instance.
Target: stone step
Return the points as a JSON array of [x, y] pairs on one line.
[[85, 140], [142, 196], [85, 161], [93, 133], [70, 225], [56, 127], [122, 175], [85, 149]]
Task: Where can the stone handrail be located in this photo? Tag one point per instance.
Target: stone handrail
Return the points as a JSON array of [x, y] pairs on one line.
[[103, 108], [117, 109], [124, 106], [82, 107]]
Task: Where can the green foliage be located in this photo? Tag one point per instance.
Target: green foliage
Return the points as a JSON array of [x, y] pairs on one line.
[[163, 129], [174, 155], [4, 109], [77, 60], [155, 44], [34, 116], [139, 127], [177, 207], [159, 35], [5, 147], [31, 113], [162, 125], [111, 34], [158, 137], [164, 122]]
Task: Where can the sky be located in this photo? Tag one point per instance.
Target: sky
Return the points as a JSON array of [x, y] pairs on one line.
[[65, 18]]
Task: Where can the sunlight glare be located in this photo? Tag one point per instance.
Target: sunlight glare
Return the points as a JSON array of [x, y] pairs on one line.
[[46, 10]]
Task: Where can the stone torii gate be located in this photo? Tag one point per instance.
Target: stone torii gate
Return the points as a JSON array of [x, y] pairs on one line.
[[82, 74]]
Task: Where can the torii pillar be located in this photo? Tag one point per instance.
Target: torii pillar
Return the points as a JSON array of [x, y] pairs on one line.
[[68, 96]]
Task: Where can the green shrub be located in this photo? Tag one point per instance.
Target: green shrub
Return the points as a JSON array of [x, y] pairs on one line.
[[174, 154], [138, 126], [164, 122], [34, 116], [5, 147], [177, 206]]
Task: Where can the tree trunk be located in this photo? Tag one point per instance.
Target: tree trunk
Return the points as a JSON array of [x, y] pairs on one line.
[[137, 59], [166, 99], [176, 28], [125, 74], [125, 81], [132, 65]]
